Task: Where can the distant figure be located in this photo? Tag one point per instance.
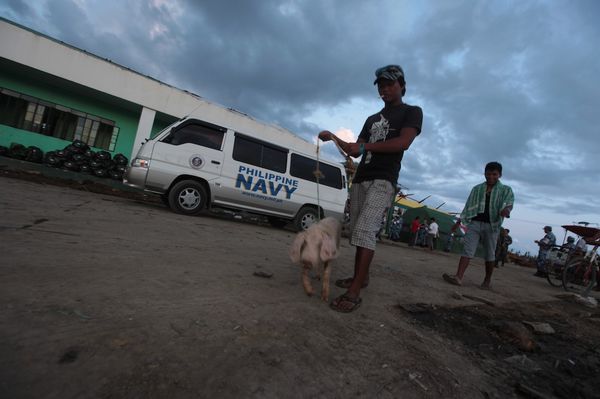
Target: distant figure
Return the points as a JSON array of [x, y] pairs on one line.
[[450, 239], [414, 230], [504, 241], [547, 242], [487, 206], [396, 228], [382, 226], [422, 234], [432, 234], [581, 246], [569, 246]]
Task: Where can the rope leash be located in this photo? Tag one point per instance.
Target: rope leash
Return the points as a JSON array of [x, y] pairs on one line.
[[349, 165], [318, 176]]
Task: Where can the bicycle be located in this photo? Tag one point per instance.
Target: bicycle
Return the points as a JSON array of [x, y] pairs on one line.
[[557, 259], [582, 271]]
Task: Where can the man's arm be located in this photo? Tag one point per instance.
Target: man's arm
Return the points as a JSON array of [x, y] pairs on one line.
[[509, 201], [397, 144], [326, 135]]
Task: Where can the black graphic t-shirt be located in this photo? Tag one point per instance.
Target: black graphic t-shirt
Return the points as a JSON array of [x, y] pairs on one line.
[[386, 125]]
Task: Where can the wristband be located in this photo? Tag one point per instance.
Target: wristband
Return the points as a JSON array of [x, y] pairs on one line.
[[361, 148]]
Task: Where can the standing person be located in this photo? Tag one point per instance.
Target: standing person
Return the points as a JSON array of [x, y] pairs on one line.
[[448, 246], [422, 234], [382, 142], [382, 226], [547, 242], [396, 228], [487, 206], [414, 230], [432, 234], [504, 241]]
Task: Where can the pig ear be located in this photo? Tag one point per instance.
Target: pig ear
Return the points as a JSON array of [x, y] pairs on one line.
[[328, 249], [296, 247]]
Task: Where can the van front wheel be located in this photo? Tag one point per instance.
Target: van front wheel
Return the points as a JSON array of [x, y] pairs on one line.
[[188, 197], [305, 218]]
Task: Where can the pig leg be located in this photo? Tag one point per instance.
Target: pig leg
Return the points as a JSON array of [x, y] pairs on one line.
[[325, 289], [306, 280]]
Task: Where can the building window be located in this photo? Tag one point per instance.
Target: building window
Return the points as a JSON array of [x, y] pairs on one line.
[[258, 153], [304, 168], [38, 116]]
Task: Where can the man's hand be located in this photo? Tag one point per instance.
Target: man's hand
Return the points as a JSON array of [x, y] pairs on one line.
[[326, 135], [505, 213], [352, 149]]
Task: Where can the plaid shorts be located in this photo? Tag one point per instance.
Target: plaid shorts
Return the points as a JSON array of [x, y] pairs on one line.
[[368, 202]]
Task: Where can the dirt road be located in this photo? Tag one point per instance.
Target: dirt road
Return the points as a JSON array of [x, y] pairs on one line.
[[110, 297]]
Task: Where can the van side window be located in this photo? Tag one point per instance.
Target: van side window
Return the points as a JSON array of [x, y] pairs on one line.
[[304, 168], [196, 134], [257, 153]]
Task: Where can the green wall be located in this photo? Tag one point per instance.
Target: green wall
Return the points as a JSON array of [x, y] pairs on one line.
[[10, 135], [59, 91]]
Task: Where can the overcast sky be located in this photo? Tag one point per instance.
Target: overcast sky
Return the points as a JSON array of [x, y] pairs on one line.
[[508, 81]]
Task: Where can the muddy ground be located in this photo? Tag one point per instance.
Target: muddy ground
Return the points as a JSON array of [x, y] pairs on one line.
[[108, 294]]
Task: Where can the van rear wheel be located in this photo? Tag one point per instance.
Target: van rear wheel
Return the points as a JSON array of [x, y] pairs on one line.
[[188, 197], [305, 218]]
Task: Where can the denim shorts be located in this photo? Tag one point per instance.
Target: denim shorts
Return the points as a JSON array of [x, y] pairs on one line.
[[480, 232]]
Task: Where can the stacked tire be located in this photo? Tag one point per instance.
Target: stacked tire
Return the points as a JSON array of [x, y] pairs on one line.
[[75, 157], [79, 157], [20, 152]]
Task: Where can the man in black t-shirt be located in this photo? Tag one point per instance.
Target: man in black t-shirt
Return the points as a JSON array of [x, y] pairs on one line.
[[381, 143]]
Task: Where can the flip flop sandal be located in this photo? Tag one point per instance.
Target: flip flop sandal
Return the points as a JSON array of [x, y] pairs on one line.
[[347, 282], [335, 304], [451, 279]]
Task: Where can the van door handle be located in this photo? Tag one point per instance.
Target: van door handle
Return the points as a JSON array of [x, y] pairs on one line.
[[216, 162]]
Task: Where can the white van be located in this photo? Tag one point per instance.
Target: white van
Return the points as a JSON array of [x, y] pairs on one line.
[[259, 168]]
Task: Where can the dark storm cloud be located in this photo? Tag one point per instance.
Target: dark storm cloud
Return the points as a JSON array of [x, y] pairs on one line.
[[508, 81], [269, 62], [18, 8], [520, 97]]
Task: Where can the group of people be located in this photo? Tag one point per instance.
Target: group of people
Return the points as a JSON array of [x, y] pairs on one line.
[[425, 233], [381, 144], [548, 242]]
